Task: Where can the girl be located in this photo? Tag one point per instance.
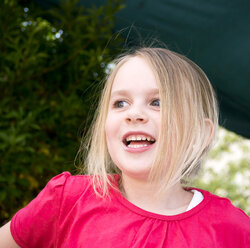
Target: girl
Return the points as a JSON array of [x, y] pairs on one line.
[[156, 121]]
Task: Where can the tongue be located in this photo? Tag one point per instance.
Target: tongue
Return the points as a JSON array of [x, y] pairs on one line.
[[140, 142]]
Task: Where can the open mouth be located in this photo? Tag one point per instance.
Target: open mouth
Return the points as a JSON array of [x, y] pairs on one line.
[[137, 141]]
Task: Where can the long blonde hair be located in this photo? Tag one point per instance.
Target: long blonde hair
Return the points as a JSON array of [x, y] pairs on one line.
[[187, 102]]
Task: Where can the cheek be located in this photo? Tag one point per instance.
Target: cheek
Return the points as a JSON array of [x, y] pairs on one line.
[[110, 128], [157, 123], [111, 138]]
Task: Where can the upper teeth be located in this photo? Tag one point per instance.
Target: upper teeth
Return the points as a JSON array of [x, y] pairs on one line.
[[139, 137]]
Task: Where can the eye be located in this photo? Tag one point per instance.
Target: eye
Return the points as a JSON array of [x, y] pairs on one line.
[[120, 104], [156, 103]]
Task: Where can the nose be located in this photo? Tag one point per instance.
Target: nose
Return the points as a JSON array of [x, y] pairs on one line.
[[136, 115]]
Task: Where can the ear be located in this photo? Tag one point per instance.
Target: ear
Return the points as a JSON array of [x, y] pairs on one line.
[[209, 130]]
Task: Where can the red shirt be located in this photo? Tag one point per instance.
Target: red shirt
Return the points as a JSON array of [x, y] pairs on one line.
[[67, 213]]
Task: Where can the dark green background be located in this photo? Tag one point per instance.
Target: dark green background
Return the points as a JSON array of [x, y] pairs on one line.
[[215, 34]]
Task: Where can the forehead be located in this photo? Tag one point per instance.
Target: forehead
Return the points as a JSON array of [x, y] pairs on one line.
[[135, 74]]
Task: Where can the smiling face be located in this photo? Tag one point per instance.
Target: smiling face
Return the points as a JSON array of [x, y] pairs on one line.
[[133, 120], [171, 141]]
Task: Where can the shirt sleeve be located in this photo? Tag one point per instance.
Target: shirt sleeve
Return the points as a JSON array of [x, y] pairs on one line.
[[36, 224]]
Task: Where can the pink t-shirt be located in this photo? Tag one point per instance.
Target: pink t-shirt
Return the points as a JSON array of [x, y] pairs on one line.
[[67, 213]]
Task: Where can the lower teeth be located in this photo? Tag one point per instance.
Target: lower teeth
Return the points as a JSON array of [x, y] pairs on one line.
[[136, 146]]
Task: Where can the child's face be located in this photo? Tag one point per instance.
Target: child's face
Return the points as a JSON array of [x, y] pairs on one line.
[[134, 113]]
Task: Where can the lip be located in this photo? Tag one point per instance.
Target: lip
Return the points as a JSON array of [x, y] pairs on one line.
[[138, 149]]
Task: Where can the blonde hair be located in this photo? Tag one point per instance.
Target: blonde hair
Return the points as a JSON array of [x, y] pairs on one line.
[[188, 103]]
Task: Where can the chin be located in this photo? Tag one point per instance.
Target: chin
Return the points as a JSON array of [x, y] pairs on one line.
[[136, 174]]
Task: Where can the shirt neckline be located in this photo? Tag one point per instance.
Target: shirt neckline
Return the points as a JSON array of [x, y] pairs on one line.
[[197, 199], [145, 213]]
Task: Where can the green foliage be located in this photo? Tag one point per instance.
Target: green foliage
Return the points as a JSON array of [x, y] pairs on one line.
[[227, 172], [51, 66]]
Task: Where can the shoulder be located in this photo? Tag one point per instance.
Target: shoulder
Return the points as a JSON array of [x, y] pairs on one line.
[[223, 203], [36, 224], [74, 182], [221, 210], [67, 183], [72, 185], [66, 178]]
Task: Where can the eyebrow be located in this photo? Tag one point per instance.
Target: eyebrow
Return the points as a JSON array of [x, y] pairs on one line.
[[153, 91]]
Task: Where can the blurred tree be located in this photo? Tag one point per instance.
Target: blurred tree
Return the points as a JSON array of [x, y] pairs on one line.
[[227, 170], [51, 66]]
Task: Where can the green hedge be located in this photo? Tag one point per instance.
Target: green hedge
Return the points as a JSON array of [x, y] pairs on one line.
[[51, 66]]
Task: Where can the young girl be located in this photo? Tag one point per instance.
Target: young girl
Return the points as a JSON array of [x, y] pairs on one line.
[[156, 121]]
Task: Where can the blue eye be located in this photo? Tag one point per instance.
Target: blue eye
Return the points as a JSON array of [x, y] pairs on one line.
[[155, 103], [120, 104]]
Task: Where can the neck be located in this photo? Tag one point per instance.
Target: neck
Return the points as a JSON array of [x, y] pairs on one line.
[[174, 200]]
